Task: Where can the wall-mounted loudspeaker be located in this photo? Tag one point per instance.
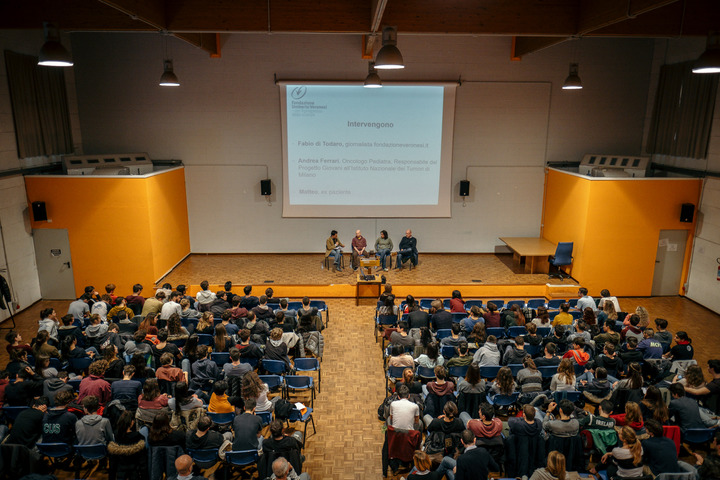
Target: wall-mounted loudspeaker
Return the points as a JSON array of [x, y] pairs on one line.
[[265, 188], [687, 211], [464, 188], [39, 212]]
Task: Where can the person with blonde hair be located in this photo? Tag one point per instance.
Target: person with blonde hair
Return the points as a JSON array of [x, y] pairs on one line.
[[555, 469], [276, 349], [608, 313], [564, 379], [626, 459]]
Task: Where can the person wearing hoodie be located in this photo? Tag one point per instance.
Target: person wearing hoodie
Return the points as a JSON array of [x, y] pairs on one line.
[[204, 297], [69, 329], [555, 469], [153, 305], [601, 421], [49, 322], [95, 384], [247, 348], [220, 304], [58, 425], [488, 354], [262, 311], [204, 370], [53, 386], [276, 349], [259, 329], [96, 329], [526, 425], [120, 306], [487, 428], [515, 355], [93, 429]]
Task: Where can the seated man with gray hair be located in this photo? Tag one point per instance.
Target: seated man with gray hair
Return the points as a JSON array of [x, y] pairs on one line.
[[282, 470]]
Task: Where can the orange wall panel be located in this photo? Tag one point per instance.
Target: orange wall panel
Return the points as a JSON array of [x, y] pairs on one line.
[[615, 225], [111, 225], [167, 211]]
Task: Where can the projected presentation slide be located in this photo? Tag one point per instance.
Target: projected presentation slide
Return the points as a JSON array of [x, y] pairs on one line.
[[349, 146]]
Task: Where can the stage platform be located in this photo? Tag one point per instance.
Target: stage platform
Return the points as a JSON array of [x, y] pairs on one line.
[[437, 275]]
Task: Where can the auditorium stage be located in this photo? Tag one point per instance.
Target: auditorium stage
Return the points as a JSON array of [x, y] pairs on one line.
[[437, 275]]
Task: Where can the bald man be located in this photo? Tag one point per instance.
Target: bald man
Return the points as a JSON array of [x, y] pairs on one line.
[[407, 250], [184, 465], [359, 249], [282, 470]]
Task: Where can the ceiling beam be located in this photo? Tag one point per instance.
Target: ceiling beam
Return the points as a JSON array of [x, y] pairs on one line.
[[150, 12], [210, 42], [525, 45], [377, 10], [599, 14]]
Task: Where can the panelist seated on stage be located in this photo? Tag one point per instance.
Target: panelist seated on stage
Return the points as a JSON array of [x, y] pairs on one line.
[[359, 249], [407, 250], [383, 249], [333, 248]]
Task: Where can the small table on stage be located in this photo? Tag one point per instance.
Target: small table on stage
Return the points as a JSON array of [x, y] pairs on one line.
[[368, 263], [535, 250], [367, 288]]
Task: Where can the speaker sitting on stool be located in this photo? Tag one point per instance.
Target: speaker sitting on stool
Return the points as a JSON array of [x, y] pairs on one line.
[[39, 212], [265, 188], [687, 211], [464, 188]]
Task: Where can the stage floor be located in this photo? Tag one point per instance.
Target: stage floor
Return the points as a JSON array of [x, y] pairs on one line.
[[306, 269]]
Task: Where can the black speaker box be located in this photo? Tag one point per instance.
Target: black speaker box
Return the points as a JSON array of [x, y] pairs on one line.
[[687, 212], [464, 188], [39, 212], [265, 188]]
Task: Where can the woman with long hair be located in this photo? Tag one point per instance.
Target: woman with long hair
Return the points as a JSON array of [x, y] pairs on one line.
[[633, 380], [43, 368], [128, 448], [542, 317], [115, 363], [183, 399], [42, 347], [422, 471], [142, 371], [529, 378], [504, 384], [555, 469], [151, 398], [15, 342], [388, 307], [457, 304], [694, 377], [431, 358], [653, 406], [607, 313], [477, 335], [222, 341], [410, 304], [632, 418], [70, 349], [472, 383], [253, 387], [644, 315], [625, 461], [176, 331], [205, 325], [589, 316], [148, 321], [408, 379], [564, 379], [162, 434]]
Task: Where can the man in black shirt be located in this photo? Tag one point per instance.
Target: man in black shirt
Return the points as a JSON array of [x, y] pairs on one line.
[[550, 359], [27, 427], [440, 318], [407, 250], [248, 301], [27, 385], [204, 438], [659, 453]]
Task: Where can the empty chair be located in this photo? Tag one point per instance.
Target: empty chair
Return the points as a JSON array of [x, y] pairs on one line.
[[573, 302], [273, 382], [305, 417], [458, 316], [515, 368], [299, 383], [241, 458], [309, 364], [499, 332], [252, 361], [265, 416], [551, 304], [548, 372], [489, 371], [425, 373], [699, 436], [567, 394], [393, 373], [204, 458], [443, 333], [222, 418], [448, 351], [536, 302], [294, 305], [544, 331], [205, 339], [54, 451], [516, 331], [79, 365], [533, 350], [503, 400], [277, 367], [470, 303], [458, 371], [425, 303], [220, 358], [562, 258], [88, 453], [520, 303], [11, 412], [446, 304]]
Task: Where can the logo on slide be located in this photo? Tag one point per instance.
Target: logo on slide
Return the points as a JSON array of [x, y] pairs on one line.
[[298, 92]]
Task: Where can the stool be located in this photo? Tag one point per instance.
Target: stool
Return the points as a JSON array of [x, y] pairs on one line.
[[327, 263]]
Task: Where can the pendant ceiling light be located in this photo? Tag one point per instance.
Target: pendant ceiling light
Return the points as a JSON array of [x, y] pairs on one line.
[[573, 82], [52, 53], [373, 79], [389, 57], [709, 61], [168, 78]]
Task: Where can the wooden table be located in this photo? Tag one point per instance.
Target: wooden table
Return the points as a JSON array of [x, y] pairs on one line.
[[367, 288], [535, 251]]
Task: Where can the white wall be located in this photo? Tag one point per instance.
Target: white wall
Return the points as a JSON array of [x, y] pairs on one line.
[[226, 115], [703, 284], [16, 235]]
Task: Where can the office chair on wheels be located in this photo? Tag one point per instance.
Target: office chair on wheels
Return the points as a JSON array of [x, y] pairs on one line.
[[563, 257]]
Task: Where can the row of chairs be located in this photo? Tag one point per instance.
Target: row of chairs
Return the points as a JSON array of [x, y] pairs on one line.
[[532, 303]]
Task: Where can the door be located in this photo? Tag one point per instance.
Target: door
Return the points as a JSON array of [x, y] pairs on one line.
[[669, 262], [52, 255]]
